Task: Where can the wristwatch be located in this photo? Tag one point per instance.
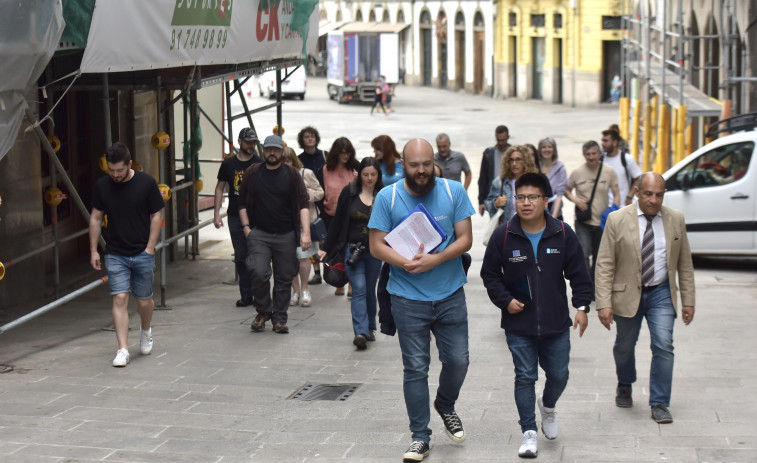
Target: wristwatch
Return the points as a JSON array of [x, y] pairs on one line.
[[245, 226], [584, 308]]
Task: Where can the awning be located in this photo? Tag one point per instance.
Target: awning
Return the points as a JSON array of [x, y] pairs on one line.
[[325, 26], [698, 103], [358, 27]]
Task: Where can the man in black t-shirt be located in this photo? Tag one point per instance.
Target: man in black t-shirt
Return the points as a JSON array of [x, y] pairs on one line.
[[275, 216], [231, 173], [133, 203]]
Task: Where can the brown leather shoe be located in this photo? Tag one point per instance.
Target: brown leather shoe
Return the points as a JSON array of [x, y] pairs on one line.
[[280, 328], [339, 291], [259, 323]]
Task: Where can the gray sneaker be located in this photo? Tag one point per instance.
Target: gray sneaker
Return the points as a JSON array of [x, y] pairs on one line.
[[661, 414], [548, 420]]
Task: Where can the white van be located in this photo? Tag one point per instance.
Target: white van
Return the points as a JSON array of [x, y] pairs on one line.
[[716, 189], [294, 85]]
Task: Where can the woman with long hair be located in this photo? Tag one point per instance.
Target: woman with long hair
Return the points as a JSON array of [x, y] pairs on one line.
[[338, 172], [349, 231], [300, 293], [389, 159], [516, 162], [556, 173]]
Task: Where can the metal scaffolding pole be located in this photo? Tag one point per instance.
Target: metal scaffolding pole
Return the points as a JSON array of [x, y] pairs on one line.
[[162, 178]]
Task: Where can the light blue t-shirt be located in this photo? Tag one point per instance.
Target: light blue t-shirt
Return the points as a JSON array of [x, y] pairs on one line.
[[399, 173], [534, 238], [444, 279]]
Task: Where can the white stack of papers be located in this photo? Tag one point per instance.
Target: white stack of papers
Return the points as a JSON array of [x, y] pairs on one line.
[[414, 230]]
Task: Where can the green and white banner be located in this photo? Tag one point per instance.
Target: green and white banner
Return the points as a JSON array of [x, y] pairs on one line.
[[138, 35]]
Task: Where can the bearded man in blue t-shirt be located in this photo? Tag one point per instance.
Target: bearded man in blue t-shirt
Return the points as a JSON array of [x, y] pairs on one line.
[[427, 291]]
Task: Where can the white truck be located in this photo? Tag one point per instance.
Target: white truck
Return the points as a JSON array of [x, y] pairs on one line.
[[358, 54]]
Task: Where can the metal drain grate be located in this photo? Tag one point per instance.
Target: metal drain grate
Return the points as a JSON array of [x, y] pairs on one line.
[[330, 392]]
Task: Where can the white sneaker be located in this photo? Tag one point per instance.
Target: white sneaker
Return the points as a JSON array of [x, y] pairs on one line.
[[122, 358], [548, 420], [294, 300], [528, 446], [307, 299], [145, 341]]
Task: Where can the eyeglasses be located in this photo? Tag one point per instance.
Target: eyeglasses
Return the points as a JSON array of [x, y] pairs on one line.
[[516, 159], [531, 198]]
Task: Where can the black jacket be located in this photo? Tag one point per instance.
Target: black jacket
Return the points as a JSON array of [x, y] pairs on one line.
[[510, 255], [336, 239], [487, 173]]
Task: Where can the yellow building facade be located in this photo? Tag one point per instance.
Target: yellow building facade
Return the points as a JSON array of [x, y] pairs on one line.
[[557, 51]]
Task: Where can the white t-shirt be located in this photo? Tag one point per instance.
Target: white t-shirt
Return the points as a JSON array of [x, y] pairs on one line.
[[633, 171]]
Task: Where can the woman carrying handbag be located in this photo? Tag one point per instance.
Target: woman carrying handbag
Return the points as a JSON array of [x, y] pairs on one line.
[[349, 232]]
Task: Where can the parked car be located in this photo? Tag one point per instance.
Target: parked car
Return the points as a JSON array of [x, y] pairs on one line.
[[293, 85], [716, 189]]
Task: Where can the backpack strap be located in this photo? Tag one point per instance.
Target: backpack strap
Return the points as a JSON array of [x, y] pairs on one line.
[[449, 192], [507, 230]]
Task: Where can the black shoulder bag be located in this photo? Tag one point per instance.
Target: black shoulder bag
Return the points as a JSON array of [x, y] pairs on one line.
[[585, 216]]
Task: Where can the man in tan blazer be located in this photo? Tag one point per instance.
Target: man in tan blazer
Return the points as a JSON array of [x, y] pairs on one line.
[[643, 247]]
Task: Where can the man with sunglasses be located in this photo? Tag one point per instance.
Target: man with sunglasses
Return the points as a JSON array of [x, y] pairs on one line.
[[490, 164], [525, 267]]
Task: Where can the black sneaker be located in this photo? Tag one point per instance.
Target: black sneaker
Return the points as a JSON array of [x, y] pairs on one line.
[[244, 302], [417, 451], [316, 280], [623, 398], [452, 425], [372, 335]]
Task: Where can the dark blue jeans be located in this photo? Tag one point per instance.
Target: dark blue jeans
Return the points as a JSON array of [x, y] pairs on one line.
[[553, 354], [416, 320], [657, 307], [363, 277], [240, 256]]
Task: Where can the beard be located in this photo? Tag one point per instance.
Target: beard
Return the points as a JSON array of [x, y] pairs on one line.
[[421, 189], [273, 160]]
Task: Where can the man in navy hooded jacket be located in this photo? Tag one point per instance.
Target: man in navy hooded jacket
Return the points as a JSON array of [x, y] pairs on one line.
[[525, 266]]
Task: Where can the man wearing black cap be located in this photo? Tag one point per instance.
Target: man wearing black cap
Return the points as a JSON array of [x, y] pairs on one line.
[[231, 173], [273, 204]]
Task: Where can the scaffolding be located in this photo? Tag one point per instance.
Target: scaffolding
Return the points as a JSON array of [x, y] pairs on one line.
[[664, 113]]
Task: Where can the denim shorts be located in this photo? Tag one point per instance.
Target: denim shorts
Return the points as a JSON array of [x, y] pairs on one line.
[[139, 270]]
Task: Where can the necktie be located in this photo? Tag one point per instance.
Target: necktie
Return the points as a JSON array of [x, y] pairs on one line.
[[647, 253]]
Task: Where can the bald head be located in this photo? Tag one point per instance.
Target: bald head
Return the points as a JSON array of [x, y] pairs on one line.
[[418, 146], [651, 192], [653, 179], [418, 162]]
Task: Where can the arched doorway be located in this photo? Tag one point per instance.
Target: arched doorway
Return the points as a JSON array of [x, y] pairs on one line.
[[372, 16], [425, 33], [441, 40], [385, 17], [359, 16], [459, 51], [339, 16], [479, 47]]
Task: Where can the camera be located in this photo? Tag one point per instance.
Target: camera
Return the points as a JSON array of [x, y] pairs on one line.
[[356, 252]]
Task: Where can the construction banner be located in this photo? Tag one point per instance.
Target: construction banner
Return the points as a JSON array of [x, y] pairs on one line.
[[139, 35]]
